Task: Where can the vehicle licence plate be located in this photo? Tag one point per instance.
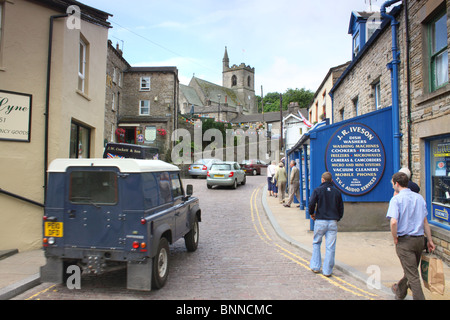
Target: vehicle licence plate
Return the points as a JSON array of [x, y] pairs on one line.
[[218, 176], [54, 229], [196, 167]]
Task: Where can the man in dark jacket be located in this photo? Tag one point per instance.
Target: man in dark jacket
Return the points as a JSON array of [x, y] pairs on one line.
[[326, 209]]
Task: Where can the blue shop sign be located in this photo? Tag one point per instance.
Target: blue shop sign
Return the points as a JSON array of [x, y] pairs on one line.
[[356, 158], [440, 212]]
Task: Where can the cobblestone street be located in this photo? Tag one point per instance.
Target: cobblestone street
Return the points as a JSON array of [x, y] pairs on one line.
[[239, 257]]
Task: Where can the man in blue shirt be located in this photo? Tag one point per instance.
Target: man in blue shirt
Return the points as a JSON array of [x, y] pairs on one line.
[[408, 214]]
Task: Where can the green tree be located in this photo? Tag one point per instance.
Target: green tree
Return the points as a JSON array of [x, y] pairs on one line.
[[272, 100]]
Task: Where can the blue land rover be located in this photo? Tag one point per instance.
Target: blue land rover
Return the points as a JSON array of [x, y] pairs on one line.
[[101, 214]]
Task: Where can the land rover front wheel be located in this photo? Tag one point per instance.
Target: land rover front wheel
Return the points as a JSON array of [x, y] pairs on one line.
[[161, 265], [191, 238]]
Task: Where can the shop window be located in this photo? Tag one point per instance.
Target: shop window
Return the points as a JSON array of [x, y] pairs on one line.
[[438, 52], [440, 180], [80, 140], [150, 134]]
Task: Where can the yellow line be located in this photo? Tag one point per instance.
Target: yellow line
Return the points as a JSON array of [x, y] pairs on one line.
[[295, 258], [40, 292]]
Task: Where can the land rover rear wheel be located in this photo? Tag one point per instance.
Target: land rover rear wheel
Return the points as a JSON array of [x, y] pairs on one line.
[[161, 265]]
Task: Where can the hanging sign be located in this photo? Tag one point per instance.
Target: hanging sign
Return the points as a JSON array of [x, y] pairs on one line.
[[15, 116], [356, 159]]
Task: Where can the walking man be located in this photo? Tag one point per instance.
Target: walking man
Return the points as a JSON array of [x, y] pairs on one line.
[[326, 209], [408, 213], [294, 184]]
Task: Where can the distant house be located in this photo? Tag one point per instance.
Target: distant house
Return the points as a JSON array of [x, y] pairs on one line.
[[322, 106]]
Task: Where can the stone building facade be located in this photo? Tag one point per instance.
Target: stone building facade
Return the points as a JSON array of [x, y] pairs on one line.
[[149, 113], [141, 104], [115, 66], [424, 99]]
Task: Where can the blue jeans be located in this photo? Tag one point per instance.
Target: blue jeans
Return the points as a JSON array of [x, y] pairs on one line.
[[327, 228]]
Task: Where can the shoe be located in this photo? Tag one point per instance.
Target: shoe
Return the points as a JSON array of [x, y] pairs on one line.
[[315, 271], [287, 205], [327, 275], [394, 289]]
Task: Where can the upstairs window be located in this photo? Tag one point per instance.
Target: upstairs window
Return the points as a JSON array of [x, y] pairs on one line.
[[82, 66], [377, 95], [356, 44], [438, 52], [144, 107], [145, 84]]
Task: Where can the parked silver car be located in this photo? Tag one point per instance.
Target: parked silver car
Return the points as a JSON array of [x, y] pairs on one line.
[[225, 174], [200, 167]]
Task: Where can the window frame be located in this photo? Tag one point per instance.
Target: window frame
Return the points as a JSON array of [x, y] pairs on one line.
[[434, 55], [82, 65], [141, 113], [377, 95], [144, 88]]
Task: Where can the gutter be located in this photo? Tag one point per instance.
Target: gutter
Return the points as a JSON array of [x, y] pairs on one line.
[[47, 97], [393, 67]]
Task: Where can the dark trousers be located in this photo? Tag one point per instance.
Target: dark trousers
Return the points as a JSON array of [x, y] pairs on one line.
[[409, 250]]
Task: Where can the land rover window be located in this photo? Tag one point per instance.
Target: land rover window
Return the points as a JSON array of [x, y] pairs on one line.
[[176, 185], [150, 190], [93, 187], [165, 194]]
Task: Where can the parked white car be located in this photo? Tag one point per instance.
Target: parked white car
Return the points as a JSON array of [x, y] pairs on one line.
[[225, 174]]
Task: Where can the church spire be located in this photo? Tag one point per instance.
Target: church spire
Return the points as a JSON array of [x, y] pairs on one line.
[[226, 60]]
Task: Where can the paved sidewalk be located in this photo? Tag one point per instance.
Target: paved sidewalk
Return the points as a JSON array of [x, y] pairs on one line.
[[357, 253]]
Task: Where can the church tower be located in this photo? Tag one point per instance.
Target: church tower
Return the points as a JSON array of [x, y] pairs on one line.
[[241, 79]]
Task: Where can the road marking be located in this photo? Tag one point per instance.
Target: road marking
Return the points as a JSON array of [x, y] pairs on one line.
[[40, 292], [340, 283]]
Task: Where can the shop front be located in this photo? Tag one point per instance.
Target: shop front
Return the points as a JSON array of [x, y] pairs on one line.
[[438, 184], [358, 154]]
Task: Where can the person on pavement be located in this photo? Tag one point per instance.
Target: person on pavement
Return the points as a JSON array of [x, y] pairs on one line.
[[281, 179], [294, 184], [326, 209], [408, 221]]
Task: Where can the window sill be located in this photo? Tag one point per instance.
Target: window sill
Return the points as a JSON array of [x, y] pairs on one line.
[[430, 96], [83, 95]]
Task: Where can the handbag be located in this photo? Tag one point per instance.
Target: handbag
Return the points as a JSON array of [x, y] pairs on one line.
[[432, 272]]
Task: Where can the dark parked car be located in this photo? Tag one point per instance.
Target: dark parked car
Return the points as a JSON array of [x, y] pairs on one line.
[[253, 166]]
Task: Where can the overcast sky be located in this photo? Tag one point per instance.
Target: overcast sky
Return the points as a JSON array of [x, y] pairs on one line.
[[290, 43]]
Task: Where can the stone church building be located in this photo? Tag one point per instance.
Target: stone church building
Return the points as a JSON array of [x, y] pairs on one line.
[[234, 97]]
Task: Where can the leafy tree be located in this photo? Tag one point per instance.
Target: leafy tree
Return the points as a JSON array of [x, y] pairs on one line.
[[272, 99]]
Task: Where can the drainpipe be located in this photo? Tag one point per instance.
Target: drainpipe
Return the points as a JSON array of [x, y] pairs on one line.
[[393, 67], [47, 97]]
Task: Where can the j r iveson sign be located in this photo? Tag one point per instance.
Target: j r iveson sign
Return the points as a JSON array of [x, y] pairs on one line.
[[356, 158], [15, 116]]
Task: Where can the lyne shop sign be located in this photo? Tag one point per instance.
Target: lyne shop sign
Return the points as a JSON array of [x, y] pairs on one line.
[[15, 116]]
